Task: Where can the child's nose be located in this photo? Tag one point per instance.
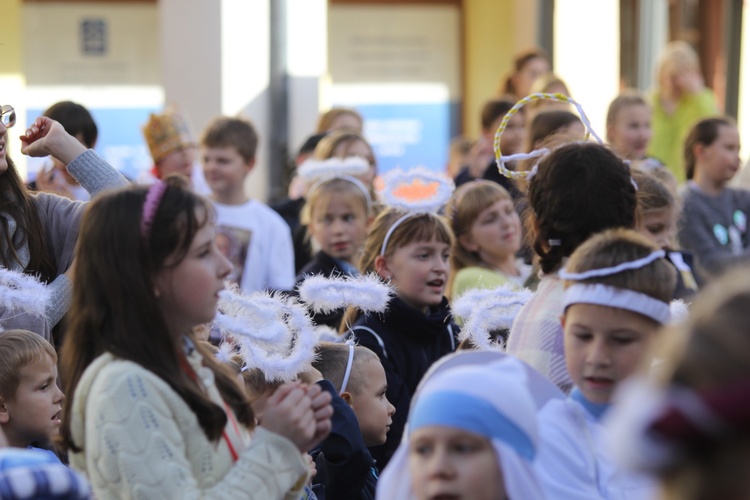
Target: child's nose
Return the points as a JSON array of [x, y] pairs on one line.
[[391, 409], [441, 464], [441, 264], [225, 266], [59, 396], [599, 354]]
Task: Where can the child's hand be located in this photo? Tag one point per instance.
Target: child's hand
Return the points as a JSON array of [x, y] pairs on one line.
[[689, 82], [289, 412], [310, 465], [47, 137]]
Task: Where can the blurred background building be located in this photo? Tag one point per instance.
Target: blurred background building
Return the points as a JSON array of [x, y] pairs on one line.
[[418, 71]]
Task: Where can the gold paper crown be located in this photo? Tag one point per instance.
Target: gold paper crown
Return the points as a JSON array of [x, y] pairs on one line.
[[166, 133]]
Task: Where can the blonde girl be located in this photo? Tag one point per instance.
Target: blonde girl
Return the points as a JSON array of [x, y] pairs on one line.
[[412, 252], [337, 214], [629, 129], [487, 232], [680, 99]]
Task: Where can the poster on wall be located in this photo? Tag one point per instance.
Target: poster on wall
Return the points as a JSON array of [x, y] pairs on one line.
[[399, 66]]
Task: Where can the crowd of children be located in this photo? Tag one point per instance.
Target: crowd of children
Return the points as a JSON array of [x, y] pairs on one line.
[[598, 387]]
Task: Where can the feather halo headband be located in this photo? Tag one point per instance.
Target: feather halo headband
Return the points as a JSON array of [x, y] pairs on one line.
[[488, 310], [271, 332], [415, 191]]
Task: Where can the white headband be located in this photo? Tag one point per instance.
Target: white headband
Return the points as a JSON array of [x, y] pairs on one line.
[[607, 271], [621, 298], [391, 229], [353, 180], [348, 371]]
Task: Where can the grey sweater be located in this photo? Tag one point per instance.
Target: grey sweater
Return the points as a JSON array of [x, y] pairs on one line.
[[60, 218], [715, 228]]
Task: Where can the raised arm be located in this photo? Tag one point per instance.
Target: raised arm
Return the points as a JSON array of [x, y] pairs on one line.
[[47, 137]]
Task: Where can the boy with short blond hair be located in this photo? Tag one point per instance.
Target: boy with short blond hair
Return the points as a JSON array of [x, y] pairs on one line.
[[30, 400], [253, 237]]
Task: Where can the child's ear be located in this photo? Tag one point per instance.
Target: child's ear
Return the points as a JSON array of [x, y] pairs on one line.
[[250, 164], [562, 321], [467, 242], [346, 396], [4, 413], [381, 267]]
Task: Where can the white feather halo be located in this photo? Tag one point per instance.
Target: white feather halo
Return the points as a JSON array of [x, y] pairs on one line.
[[678, 312], [488, 310], [367, 293], [416, 190], [281, 344], [312, 169], [23, 293]]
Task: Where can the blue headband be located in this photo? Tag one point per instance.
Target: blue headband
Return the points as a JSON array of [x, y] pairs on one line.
[[469, 413]]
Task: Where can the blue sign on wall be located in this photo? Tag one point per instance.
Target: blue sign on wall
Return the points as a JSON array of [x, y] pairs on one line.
[[408, 135]]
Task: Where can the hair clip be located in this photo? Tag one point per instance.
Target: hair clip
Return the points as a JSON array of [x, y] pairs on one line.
[[554, 242], [501, 160], [324, 294], [272, 332], [151, 206], [488, 310], [416, 191]]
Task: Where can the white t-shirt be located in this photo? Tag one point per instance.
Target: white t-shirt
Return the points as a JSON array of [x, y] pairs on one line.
[[258, 243]]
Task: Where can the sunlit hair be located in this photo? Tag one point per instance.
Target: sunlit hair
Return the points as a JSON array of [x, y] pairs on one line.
[[328, 145], [237, 133], [320, 196], [626, 99], [18, 205], [676, 57], [652, 193], [580, 189], [19, 348], [704, 132], [711, 352], [327, 119], [332, 359], [423, 227], [115, 308], [463, 209], [549, 83], [616, 246]]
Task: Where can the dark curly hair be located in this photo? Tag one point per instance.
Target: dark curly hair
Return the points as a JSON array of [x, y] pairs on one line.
[[580, 189]]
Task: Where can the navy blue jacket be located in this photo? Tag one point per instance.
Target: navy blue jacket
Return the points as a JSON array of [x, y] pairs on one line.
[[345, 467], [407, 342]]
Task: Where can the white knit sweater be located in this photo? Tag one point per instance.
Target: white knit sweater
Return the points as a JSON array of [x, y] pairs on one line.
[[141, 440]]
